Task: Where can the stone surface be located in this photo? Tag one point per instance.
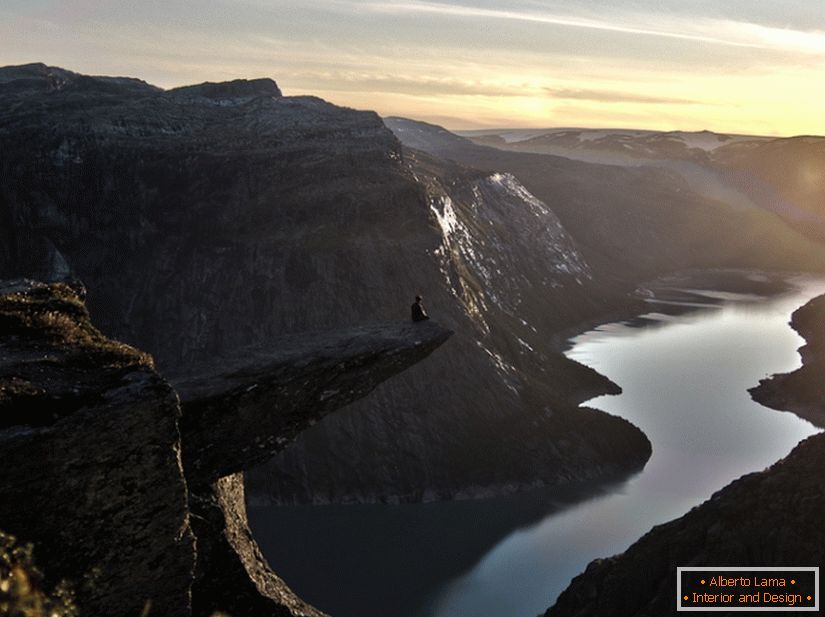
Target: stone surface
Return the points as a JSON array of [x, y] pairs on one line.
[[90, 439], [232, 574], [242, 411], [90, 433]]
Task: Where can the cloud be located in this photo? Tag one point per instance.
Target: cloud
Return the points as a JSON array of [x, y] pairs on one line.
[[690, 28], [420, 86], [610, 96]]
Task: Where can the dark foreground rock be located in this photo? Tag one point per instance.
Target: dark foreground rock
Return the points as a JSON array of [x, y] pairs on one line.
[[90, 435], [89, 439], [769, 518], [233, 575]]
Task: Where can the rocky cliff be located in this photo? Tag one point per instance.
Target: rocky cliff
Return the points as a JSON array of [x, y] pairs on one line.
[[777, 174], [771, 517], [210, 218], [122, 488], [96, 498]]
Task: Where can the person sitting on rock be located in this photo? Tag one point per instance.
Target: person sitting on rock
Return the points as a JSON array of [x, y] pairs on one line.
[[418, 312]]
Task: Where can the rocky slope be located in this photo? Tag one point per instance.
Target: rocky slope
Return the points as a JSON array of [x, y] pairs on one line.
[[771, 517], [638, 221], [96, 500], [780, 175], [210, 218], [115, 481]]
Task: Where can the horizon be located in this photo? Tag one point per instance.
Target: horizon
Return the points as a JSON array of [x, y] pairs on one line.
[[520, 64], [458, 131], [491, 130]]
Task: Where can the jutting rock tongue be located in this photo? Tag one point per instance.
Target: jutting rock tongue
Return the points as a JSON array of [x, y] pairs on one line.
[[239, 412], [90, 432]]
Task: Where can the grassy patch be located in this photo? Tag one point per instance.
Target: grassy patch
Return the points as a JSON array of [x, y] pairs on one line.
[[52, 316], [22, 591]]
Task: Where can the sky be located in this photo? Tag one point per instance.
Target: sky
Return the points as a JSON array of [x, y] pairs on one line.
[[736, 66]]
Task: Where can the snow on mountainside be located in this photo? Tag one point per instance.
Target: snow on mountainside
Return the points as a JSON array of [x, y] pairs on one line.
[[641, 203], [500, 246], [487, 220], [608, 138]]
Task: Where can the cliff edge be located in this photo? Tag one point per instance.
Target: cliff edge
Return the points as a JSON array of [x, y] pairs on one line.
[[95, 436]]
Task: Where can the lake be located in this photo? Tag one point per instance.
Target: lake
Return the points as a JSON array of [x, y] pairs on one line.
[[684, 377]]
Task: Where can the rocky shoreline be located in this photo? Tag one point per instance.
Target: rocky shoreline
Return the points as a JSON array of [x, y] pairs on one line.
[[770, 517]]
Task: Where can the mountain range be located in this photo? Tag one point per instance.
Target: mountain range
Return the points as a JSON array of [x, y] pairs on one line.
[[206, 221], [207, 218]]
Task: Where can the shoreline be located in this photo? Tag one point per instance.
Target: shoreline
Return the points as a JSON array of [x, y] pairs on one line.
[[580, 383], [801, 392], [738, 524]]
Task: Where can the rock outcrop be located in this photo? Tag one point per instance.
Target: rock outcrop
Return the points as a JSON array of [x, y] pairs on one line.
[[803, 391], [209, 218], [772, 517], [90, 439], [232, 574], [241, 411], [90, 433]]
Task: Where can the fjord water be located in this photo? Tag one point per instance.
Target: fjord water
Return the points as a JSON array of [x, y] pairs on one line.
[[684, 378]]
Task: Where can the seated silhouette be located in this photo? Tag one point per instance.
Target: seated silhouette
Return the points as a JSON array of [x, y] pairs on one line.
[[418, 312]]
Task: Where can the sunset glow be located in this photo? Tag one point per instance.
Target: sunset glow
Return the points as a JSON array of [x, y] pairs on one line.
[[739, 68]]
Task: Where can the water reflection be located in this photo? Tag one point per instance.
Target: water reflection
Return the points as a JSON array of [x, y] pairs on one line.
[[685, 385], [685, 368]]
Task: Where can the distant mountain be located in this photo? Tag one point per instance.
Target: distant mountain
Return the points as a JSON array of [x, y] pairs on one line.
[[207, 218], [614, 146], [39, 78], [634, 222], [781, 175], [791, 170]]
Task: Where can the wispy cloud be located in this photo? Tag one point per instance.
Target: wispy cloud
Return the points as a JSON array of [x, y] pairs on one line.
[[610, 96], [421, 86], [714, 31], [730, 66]]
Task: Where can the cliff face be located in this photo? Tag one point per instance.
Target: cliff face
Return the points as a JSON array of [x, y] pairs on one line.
[[89, 431], [503, 415], [93, 436], [210, 218], [768, 518]]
